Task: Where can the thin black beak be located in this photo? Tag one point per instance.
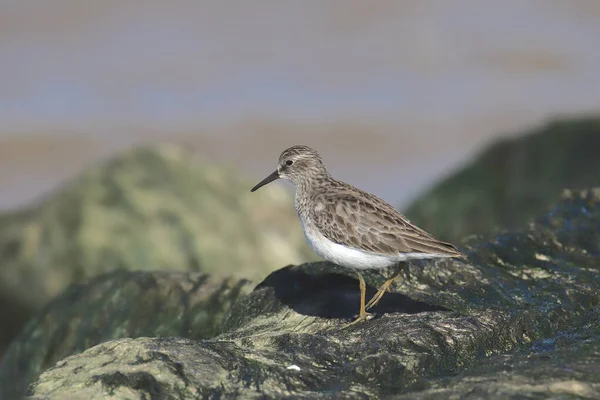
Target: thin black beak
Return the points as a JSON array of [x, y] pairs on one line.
[[274, 176]]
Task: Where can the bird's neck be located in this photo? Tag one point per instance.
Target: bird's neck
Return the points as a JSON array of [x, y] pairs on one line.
[[308, 189], [312, 184]]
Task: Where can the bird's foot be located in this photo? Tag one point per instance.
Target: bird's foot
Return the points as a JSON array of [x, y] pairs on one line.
[[362, 317]]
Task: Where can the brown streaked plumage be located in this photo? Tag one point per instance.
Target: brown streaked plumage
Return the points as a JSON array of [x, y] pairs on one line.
[[349, 226], [352, 217]]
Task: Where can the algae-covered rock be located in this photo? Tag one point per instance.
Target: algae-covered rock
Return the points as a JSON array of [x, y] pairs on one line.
[[285, 339], [151, 208], [561, 367], [512, 181], [116, 305]]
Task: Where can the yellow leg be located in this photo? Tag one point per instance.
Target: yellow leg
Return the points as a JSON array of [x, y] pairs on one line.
[[384, 288], [363, 314]]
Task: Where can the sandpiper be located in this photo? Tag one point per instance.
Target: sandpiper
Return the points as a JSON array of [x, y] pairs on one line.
[[350, 227]]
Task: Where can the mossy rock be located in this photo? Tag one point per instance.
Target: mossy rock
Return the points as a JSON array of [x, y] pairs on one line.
[[560, 367], [512, 181], [511, 296], [150, 208], [115, 305]]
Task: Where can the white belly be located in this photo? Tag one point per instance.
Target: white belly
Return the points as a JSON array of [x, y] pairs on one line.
[[352, 258]]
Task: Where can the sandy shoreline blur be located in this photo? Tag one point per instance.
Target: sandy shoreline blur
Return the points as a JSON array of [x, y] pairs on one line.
[[394, 161]]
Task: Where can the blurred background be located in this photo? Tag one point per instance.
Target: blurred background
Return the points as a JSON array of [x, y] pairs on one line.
[[131, 132], [394, 94]]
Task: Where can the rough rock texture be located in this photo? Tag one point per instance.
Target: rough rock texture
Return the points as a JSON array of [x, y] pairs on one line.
[[116, 305], [451, 324], [561, 367], [152, 208], [512, 181]]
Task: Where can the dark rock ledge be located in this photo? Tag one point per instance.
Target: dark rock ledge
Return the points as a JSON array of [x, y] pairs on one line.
[[518, 319]]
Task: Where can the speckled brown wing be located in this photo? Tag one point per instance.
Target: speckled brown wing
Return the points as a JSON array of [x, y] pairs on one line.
[[368, 223]]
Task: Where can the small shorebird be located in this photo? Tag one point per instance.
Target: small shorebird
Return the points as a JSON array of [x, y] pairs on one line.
[[350, 227]]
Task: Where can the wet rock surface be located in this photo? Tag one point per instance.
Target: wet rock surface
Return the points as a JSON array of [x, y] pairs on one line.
[[566, 366], [452, 327]]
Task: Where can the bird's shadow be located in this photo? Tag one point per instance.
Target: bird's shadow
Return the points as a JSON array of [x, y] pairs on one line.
[[334, 295]]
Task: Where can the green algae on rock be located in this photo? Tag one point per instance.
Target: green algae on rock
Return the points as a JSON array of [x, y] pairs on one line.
[[285, 339], [512, 181], [152, 208], [561, 367], [116, 305]]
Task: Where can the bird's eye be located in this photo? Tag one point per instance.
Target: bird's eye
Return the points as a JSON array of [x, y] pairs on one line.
[[289, 162]]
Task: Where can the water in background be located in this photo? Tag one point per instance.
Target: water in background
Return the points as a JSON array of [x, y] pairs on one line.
[[394, 94]]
